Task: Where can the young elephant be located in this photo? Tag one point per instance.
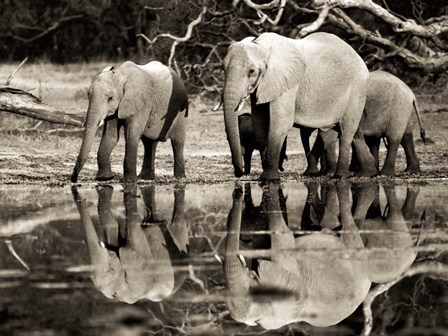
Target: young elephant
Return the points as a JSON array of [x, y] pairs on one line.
[[151, 102], [248, 142], [387, 114]]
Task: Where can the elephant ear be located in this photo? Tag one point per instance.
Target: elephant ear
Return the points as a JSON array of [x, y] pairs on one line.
[[137, 90], [284, 66]]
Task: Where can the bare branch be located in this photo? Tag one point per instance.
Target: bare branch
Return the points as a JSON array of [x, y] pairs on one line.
[[176, 39], [50, 29], [263, 16], [316, 24], [8, 80], [432, 29], [439, 61]]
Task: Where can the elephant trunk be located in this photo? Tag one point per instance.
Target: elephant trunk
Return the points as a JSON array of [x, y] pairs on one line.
[[91, 126], [237, 275], [232, 99]]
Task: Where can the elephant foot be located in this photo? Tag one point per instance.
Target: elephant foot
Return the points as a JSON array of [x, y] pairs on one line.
[[104, 177], [367, 172], [387, 172], [129, 179], [412, 170], [342, 174], [180, 176], [269, 176], [147, 177]]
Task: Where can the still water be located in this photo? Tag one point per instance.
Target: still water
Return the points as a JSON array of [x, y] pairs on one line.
[[313, 258]]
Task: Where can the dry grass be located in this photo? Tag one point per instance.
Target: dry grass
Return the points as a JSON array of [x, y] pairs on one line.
[[49, 157]]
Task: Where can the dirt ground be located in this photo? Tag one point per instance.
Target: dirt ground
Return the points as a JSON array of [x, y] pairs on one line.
[[39, 157]]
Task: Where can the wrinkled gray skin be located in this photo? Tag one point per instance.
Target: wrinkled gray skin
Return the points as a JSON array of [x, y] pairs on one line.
[[131, 257], [389, 106], [151, 102], [248, 143], [318, 82], [319, 288]]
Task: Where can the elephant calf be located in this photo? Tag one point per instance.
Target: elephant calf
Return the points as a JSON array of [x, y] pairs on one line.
[[387, 114], [151, 102], [248, 143]]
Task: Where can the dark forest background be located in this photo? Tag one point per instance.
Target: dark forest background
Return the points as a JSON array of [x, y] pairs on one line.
[[93, 30]]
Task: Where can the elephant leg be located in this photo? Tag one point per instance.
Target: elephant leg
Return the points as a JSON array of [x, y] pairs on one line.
[[363, 197], [366, 161], [409, 204], [283, 156], [413, 164], [311, 158], [133, 133], [177, 143], [147, 172], [110, 137], [247, 160], [329, 158], [389, 165], [354, 161], [374, 145], [179, 163]]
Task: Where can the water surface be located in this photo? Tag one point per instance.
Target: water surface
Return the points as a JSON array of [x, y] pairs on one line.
[[300, 258]]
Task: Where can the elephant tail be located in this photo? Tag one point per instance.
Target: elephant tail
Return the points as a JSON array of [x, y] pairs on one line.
[[422, 130]]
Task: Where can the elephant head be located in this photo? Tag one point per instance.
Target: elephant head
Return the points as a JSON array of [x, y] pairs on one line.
[[114, 93], [285, 285], [267, 67]]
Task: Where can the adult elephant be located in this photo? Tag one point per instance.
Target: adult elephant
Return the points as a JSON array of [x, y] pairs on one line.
[[151, 102], [318, 82]]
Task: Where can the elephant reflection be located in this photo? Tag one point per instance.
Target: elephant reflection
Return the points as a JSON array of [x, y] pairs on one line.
[[386, 237], [316, 289], [319, 277], [132, 257]]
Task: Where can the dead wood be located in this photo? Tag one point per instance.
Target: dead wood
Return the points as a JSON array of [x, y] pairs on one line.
[[20, 102]]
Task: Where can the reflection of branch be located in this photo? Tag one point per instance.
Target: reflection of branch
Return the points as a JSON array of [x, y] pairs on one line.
[[435, 269], [176, 39]]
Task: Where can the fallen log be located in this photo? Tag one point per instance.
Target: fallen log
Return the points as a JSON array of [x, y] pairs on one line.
[[24, 103]]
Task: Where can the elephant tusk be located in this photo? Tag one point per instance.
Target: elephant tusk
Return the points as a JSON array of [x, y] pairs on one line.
[[217, 257], [102, 244], [101, 123], [243, 261], [84, 125], [241, 104], [217, 106]]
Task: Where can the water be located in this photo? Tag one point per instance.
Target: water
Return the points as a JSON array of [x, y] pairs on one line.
[[293, 258]]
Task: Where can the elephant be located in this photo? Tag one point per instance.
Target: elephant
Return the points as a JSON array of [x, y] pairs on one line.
[[387, 114], [151, 102], [318, 81], [248, 143], [307, 287], [132, 261]]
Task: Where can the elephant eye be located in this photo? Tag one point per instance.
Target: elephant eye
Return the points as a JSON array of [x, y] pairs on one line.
[[109, 99], [251, 72]]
